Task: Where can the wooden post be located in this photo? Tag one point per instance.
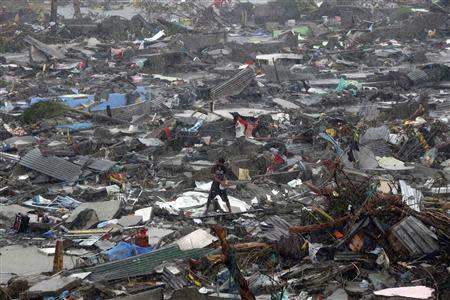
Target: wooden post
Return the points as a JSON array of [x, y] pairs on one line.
[[58, 260], [229, 258], [276, 70]]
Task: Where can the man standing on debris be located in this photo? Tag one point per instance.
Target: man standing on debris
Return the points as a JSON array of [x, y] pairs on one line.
[[218, 186], [167, 134]]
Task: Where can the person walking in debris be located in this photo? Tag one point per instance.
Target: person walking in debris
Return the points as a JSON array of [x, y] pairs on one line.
[[243, 128], [218, 186], [167, 134]]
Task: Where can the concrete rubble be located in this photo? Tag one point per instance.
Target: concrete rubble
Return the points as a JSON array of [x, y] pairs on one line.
[[214, 149]]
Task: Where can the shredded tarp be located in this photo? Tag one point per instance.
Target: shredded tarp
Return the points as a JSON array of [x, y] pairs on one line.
[[348, 85]]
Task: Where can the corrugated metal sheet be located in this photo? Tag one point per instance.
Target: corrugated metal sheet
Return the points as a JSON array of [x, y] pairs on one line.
[[174, 281], [411, 196], [379, 147], [298, 149], [141, 264], [279, 228], [415, 237], [52, 166], [101, 165], [235, 85], [417, 76]]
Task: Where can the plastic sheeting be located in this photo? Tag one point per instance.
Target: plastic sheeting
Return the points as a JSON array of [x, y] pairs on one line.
[[348, 85], [410, 292], [197, 199], [124, 250], [76, 126]]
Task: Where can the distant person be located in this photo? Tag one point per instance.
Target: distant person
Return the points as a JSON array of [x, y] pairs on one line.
[[218, 186], [107, 5]]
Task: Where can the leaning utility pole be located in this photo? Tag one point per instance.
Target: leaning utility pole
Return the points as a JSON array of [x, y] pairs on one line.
[[54, 11], [76, 9]]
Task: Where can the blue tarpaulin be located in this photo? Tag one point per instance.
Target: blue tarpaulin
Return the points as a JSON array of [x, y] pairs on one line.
[[195, 128], [142, 92], [123, 250], [76, 100], [114, 100], [76, 126]]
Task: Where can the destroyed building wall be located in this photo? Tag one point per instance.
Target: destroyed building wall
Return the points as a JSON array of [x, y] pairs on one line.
[[200, 41]]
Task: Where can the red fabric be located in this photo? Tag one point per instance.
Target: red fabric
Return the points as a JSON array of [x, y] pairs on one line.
[[243, 122], [167, 133], [218, 3], [278, 159], [117, 54]]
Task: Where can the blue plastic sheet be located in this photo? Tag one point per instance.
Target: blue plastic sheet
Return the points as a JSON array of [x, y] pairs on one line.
[[76, 100], [195, 128], [143, 93], [256, 33], [76, 126], [64, 295], [338, 150], [123, 250]]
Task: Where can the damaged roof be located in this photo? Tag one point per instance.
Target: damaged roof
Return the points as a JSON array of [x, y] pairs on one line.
[[52, 166]]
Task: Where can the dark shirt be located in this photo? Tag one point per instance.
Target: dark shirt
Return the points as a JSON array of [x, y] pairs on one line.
[[219, 171]]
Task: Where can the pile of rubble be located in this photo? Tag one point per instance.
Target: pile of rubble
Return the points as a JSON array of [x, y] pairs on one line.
[[222, 150]]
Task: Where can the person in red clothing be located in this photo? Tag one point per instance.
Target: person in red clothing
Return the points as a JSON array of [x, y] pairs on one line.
[[277, 162], [243, 128], [167, 134]]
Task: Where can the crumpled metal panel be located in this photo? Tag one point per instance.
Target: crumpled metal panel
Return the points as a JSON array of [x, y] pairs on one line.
[[141, 264], [52, 166], [411, 196], [280, 228], [101, 165], [235, 85]]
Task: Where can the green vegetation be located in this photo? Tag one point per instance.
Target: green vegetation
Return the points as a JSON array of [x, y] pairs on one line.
[[44, 110]]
